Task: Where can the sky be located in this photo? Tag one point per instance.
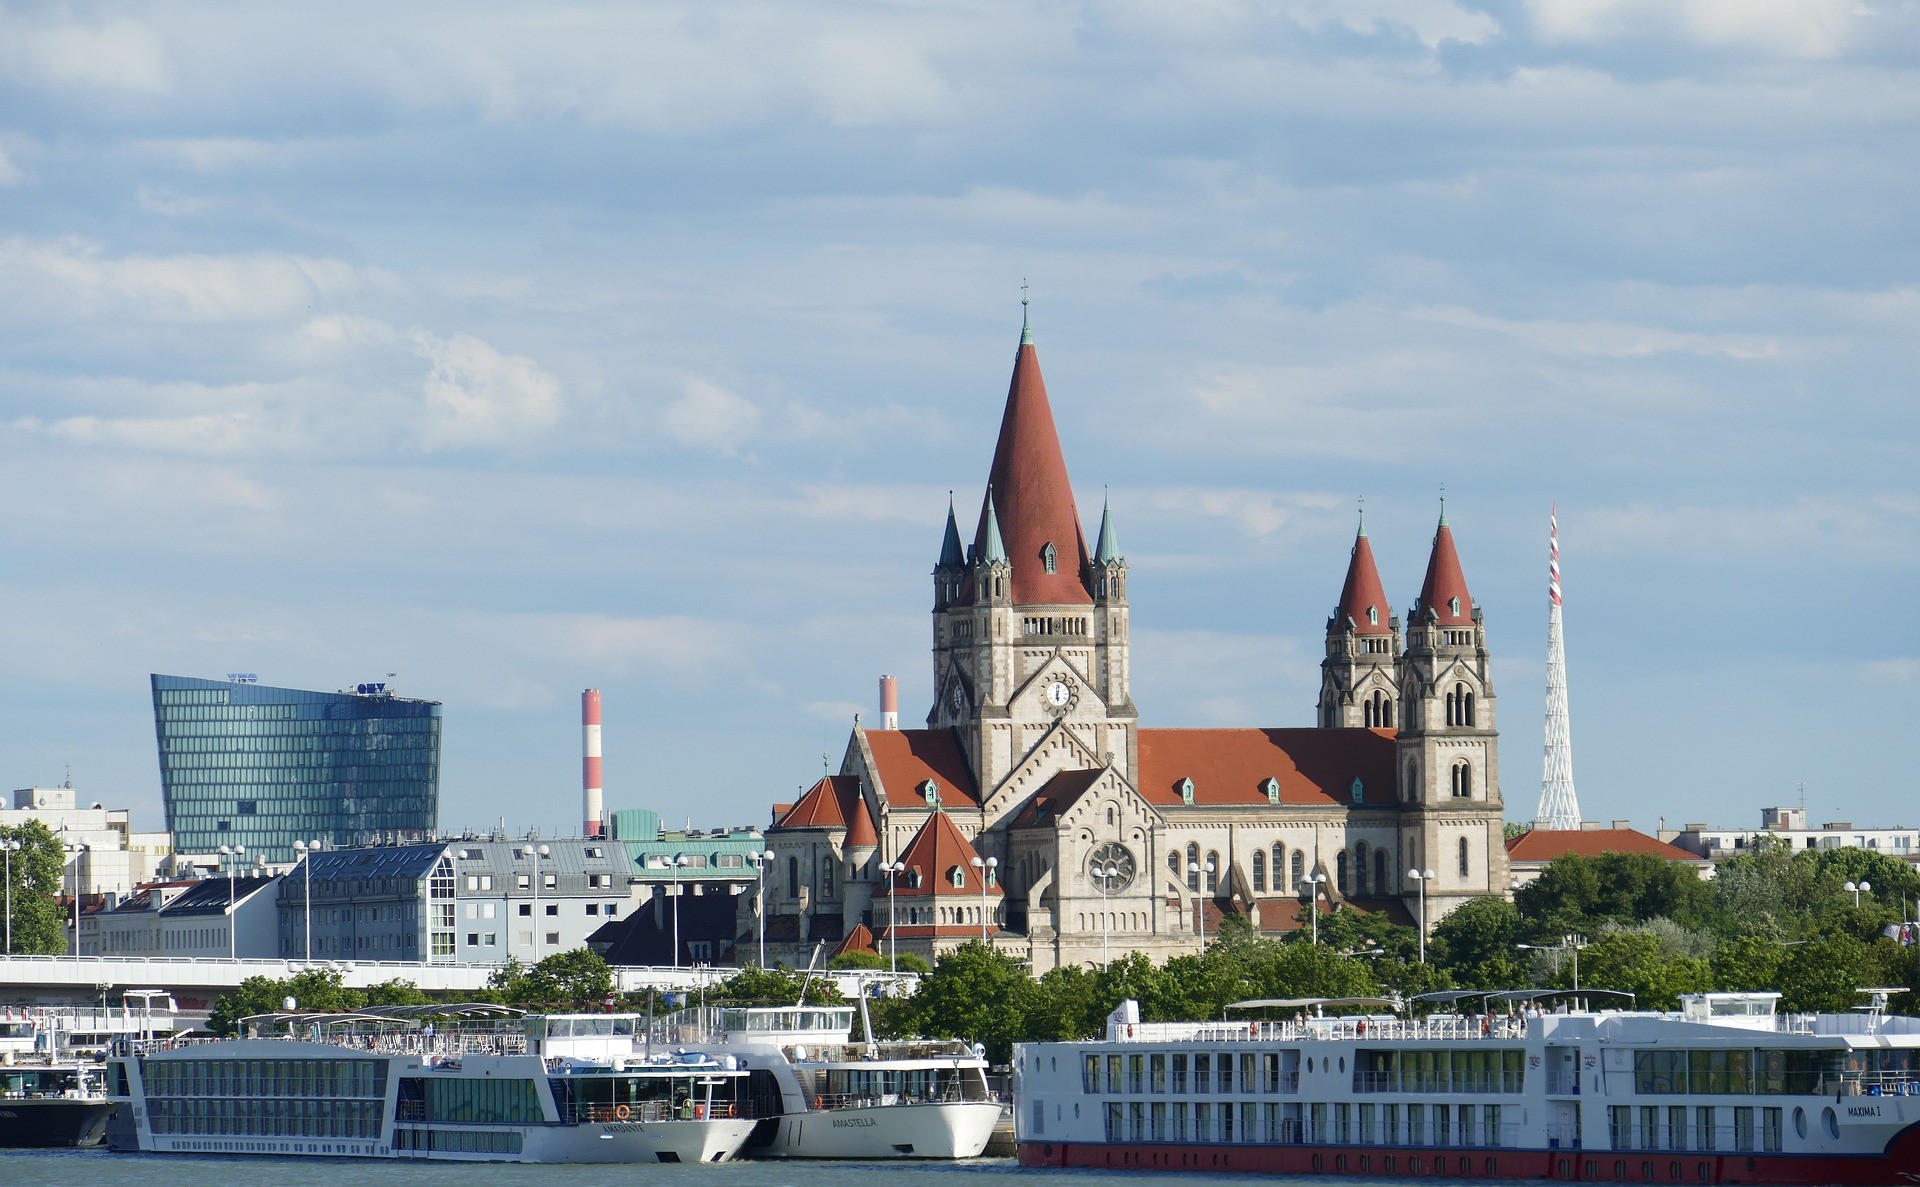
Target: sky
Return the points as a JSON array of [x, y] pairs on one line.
[[520, 349]]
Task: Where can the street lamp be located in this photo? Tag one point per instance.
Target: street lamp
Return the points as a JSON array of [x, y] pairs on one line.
[[679, 859], [76, 849], [1199, 872], [1314, 883], [1571, 943], [11, 846], [235, 853], [1103, 878], [761, 861], [893, 870], [986, 869], [306, 850], [1421, 878], [539, 851], [1856, 888]]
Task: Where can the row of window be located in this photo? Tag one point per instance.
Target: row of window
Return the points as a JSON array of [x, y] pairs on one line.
[[1705, 1127], [256, 717], [1745, 1072], [1339, 1123], [1442, 1070], [266, 1118], [1213, 1073], [330, 1078]]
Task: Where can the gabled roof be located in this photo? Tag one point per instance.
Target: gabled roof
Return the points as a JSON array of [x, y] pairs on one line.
[[905, 759], [824, 804], [1445, 584], [1544, 844], [860, 939], [933, 856], [1363, 592], [1031, 496], [1231, 766], [212, 896], [1056, 796]]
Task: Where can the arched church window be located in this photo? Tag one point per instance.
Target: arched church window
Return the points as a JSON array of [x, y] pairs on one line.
[[1380, 871], [1048, 557], [1373, 616], [1193, 867], [793, 877], [1463, 857], [1173, 863], [958, 877], [1360, 868], [1411, 791], [1213, 872], [1109, 815], [1340, 871], [1279, 868], [1259, 872], [1467, 698], [1299, 866], [1453, 605], [1462, 780], [826, 877], [1386, 711]]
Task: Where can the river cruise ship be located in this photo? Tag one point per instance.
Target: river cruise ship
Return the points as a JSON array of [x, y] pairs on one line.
[[52, 1087], [824, 1094], [433, 1083], [1727, 1089]]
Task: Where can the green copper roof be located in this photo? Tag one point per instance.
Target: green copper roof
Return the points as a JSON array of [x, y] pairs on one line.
[[1108, 549], [952, 556], [993, 551]]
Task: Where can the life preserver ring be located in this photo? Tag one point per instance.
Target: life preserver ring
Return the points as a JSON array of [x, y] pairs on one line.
[[733, 1110], [699, 1112], [621, 1112], [819, 1103]]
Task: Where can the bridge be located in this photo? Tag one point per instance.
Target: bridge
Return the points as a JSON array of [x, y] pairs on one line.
[[195, 983]]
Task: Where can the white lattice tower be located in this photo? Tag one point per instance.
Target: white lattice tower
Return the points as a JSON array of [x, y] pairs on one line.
[[1559, 809]]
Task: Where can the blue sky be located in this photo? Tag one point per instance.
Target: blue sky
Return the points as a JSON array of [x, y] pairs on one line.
[[517, 349]]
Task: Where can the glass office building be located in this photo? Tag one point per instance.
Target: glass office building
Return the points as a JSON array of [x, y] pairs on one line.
[[245, 764]]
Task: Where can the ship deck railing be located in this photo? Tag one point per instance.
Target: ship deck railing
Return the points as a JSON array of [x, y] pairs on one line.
[[443, 1045], [1451, 1027], [829, 1101], [894, 1049]]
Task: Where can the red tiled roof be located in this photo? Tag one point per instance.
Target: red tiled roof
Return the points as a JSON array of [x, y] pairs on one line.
[[1032, 497], [1445, 582], [1056, 796], [822, 806], [1363, 592], [933, 855], [904, 759], [1229, 766], [860, 830], [1545, 844], [860, 939]]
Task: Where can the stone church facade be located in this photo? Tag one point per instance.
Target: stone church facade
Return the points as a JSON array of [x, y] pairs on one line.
[[1034, 804]]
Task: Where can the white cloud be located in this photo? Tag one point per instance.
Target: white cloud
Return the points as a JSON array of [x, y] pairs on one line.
[[869, 79], [1790, 28], [1432, 21], [117, 55], [155, 200], [10, 174], [478, 396], [81, 276], [708, 416], [1252, 512], [1607, 339]]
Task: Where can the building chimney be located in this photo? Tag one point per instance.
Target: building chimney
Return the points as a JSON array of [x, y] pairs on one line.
[[590, 784], [889, 703]]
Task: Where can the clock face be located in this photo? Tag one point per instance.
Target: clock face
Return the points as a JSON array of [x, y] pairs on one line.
[[1111, 868], [958, 699], [1058, 693]]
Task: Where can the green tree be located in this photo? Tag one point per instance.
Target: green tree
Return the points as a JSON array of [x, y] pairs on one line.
[[1821, 976], [858, 960], [976, 993], [1578, 894], [779, 985], [395, 993], [579, 977], [1475, 942], [1750, 963], [1632, 961], [315, 990], [36, 870]]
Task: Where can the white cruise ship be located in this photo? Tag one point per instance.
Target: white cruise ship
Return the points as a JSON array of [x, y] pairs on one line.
[[826, 1095], [1725, 1090], [487, 1084]]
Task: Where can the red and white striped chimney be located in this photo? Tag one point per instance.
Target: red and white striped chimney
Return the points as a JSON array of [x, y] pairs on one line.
[[590, 784], [889, 703]]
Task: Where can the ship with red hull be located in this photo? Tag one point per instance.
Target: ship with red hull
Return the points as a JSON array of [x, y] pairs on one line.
[[1727, 1089]]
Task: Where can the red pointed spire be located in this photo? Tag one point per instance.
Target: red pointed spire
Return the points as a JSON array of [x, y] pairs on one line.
[[1444, 593], [1032, 497], [1363, 600]]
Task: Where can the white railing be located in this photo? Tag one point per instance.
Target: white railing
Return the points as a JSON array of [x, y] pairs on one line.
[[1449, 1027]]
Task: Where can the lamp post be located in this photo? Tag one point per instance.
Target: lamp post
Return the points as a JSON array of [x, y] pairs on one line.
[[986, 869], [1314, 883], [11, 847], [893, 870], [761, 861], [76, 850], [229, 857], [1102, 876], [539, 851], [1420, 879], [1571, 943], [679, 859], [1856, 888], [306, 850], [1199, 873]]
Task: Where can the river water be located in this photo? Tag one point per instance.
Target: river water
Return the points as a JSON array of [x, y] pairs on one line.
[[71, 1168]]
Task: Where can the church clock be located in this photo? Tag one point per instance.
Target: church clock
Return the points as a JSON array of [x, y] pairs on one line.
[[1111, 868]]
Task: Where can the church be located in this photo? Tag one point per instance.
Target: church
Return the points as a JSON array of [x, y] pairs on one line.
[[1034, 809]]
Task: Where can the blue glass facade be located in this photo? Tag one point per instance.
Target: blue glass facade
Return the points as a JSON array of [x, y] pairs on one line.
[[246, 764]]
